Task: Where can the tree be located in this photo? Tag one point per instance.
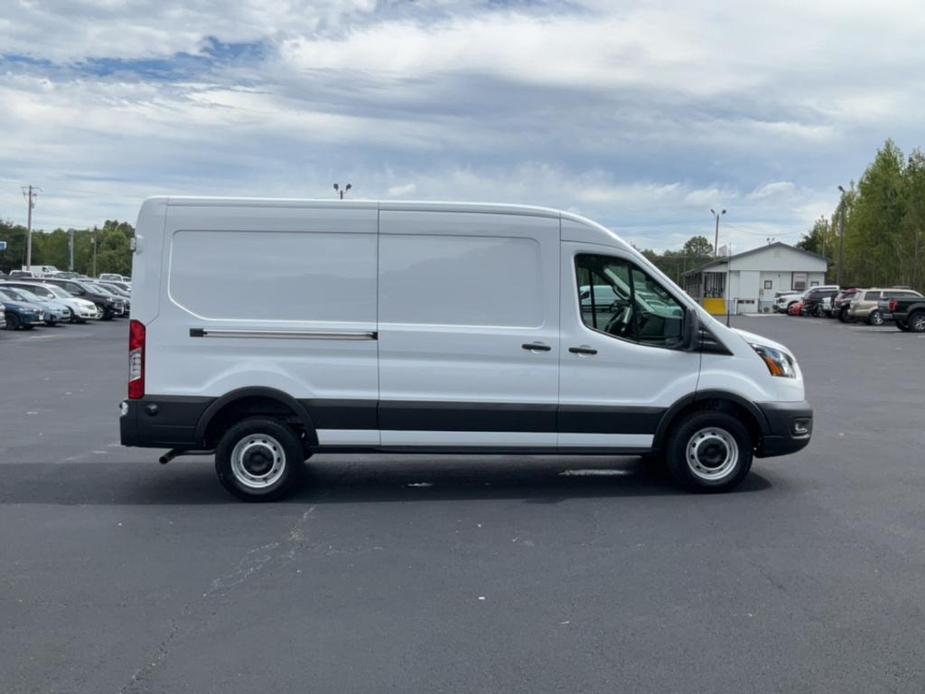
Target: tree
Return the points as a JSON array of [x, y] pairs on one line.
[[698, 247]]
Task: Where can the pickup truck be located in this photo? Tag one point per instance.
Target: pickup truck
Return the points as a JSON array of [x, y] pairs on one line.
[[909, 313]]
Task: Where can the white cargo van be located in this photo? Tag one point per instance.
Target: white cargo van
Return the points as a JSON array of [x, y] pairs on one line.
[[269, 330]]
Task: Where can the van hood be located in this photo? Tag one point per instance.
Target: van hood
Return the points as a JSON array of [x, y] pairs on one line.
[[761, 340]]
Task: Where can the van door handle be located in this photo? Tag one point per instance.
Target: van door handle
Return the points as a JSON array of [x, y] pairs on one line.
[[582, 350], [536, 347]]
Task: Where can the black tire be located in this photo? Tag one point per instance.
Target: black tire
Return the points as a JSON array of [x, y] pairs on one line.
[[12, 321], [843, 315], [902, 325], [247, 475], [818, 312], [875, 317], [716, 431], [917, 321], [107, 313]]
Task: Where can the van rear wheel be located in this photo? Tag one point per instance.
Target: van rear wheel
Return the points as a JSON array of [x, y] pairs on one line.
[[259, 459], [709, 452]]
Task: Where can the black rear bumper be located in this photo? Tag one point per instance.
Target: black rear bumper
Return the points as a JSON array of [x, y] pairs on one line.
[[789, 427], [170, 422]]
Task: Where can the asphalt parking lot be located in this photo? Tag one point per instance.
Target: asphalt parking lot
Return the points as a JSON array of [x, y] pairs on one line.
[[484, 574]]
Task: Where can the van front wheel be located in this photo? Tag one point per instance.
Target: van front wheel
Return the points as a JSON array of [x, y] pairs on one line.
[[259, 459], [709, 452]]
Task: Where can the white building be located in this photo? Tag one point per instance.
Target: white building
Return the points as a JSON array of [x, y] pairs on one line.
[[755, 276]]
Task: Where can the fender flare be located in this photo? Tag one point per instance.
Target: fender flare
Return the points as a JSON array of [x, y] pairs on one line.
[[263, 392], [665, 422]]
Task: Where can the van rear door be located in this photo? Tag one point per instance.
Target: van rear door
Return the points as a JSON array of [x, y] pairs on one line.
[[468, 329]]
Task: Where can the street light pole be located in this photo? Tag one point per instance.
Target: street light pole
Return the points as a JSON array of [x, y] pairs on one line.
[[30, 193], [839, 275], [716, 234]]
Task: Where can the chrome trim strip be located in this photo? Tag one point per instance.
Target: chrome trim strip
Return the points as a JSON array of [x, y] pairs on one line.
[[287, 334]]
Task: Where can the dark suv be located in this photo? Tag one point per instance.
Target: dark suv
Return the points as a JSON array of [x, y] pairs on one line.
[[817, 302], [105, 303], [841, 301]]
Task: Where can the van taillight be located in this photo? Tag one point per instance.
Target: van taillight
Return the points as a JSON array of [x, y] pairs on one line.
[[893, 303], [136, 360]]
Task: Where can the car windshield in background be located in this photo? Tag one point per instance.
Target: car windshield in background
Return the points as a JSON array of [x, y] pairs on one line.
[[58, 291], [12, 294]]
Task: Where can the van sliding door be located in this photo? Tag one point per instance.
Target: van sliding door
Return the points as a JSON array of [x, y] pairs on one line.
[[468, 329]]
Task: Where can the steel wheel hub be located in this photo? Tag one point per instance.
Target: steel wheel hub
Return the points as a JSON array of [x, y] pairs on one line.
[[712, 454], [258, 461]]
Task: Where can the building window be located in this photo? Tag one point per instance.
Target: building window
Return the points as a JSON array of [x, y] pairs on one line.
[[769, 284], [799, 281]]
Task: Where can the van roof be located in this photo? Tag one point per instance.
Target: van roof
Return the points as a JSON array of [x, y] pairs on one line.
[[432, 206]]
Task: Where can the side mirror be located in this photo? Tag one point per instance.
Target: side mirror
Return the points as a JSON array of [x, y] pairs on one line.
[[691, 329]]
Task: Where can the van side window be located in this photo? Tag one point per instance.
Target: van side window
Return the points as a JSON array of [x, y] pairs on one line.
[[621, 300]]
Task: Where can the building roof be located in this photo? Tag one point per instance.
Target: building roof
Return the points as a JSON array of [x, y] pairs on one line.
[[719, 262]]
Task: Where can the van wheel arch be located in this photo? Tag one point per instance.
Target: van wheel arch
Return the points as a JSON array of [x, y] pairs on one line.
[[243, 403], [715, 401]]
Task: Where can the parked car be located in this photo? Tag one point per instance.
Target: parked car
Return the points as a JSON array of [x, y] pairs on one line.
[[840, 303], [909, 313], [120, 302], [866, 304], [124, 286], [359, 350], [795, 308], [19, 274], [105, 302], [21, 314], [114, 288], [818, 301], [80, 310], [55, 311], [113, 277], [785, 300]]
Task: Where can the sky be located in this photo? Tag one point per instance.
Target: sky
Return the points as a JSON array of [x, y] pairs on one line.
[[641, 115]]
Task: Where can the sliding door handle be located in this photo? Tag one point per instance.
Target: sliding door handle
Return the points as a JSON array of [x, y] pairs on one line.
[[582, 350], [536, 347]]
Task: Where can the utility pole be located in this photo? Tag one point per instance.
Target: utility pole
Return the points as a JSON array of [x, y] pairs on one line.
[[30, 193], [728, 282], [340, 191], [93, 241], [841, 240], [716, 235]]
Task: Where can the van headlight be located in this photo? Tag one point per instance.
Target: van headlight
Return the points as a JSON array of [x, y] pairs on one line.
[[779, 363]]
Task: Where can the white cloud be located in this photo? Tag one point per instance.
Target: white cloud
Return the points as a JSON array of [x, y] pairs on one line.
[[402, 190], [643, 115]]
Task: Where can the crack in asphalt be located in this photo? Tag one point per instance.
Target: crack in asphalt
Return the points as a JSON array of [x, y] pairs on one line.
[[253, 561]]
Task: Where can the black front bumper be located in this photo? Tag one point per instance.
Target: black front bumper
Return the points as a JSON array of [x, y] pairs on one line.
[[789, 427]]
